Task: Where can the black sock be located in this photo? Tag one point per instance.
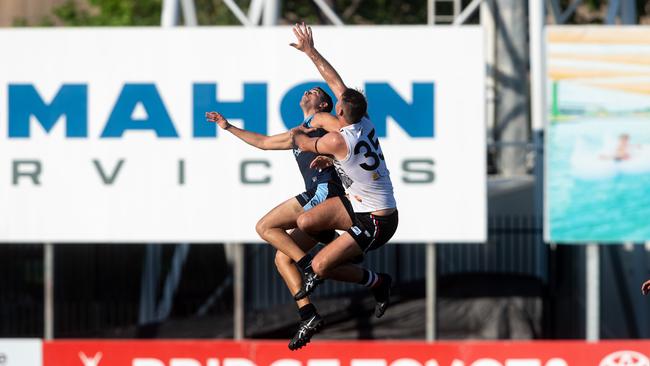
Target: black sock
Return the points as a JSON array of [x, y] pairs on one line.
[[304, 264], [370, 279], [307, 311]]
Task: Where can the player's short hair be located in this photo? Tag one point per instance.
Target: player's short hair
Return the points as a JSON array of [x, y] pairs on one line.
[[326, 98], [354, 105]]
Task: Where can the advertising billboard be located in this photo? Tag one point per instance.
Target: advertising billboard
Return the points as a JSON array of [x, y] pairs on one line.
[[345, 353], [598, 134], [21, 352], [103, 136]]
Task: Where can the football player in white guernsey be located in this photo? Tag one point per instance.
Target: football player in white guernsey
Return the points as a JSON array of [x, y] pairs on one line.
[[369, 213]]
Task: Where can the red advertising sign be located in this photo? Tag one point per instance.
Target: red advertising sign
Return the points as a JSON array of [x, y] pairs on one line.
[[357, 353]]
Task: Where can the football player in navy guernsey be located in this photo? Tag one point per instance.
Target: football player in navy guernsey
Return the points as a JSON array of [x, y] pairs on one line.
[[292, 256], [319, 185]]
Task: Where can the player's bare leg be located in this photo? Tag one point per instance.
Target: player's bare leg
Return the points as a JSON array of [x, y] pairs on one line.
[[274, 225], [333, 261], [310, 320], [287, 266], [329, 214], [273, 229], [337, 253], [291, 275]]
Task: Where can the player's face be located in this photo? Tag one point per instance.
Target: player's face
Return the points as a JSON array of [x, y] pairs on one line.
[[311, 98]]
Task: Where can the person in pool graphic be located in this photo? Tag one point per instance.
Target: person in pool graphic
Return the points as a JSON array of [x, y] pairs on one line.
[[624, 150]]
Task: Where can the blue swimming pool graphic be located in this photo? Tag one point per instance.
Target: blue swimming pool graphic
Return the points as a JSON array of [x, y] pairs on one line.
[[592, 196]]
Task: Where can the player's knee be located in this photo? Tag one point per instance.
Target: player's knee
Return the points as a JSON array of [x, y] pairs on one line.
[[282, 260], [306, 223], [319, 267]]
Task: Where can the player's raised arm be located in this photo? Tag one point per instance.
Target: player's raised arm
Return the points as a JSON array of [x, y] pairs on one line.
[[276, 142], [305, 43]]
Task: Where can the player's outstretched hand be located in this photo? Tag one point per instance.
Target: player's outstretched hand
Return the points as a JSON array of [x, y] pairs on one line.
[[645, 288], [321, 162], [304, 39], [218, 119]]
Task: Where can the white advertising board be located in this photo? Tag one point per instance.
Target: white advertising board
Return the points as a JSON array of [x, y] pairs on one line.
[[21, 352], [103, 136]]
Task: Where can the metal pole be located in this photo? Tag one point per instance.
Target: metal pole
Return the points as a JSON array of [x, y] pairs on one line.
[[512, 103], [431, 292], [613, 9], [457, 7], [431, 12], [238, 288], [329, 13], [537, 34], [593, 292], [189, 13], [489, 44], [239, 14], [467, 12], [537, 64], [255, 11], [48, 291], [271, 12], [169, 15], [628, 12]]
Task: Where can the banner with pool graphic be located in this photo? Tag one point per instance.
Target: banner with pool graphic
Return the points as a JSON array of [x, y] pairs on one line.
[[598, 135]]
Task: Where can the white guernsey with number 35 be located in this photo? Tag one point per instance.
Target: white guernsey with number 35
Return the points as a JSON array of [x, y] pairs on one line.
[[363, 171]]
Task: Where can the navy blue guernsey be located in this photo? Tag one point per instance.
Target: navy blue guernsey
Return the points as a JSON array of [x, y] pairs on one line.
[[313, 177]]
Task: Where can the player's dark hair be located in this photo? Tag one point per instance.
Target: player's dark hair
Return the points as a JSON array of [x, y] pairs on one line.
[[325, 98], [354, 105]]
